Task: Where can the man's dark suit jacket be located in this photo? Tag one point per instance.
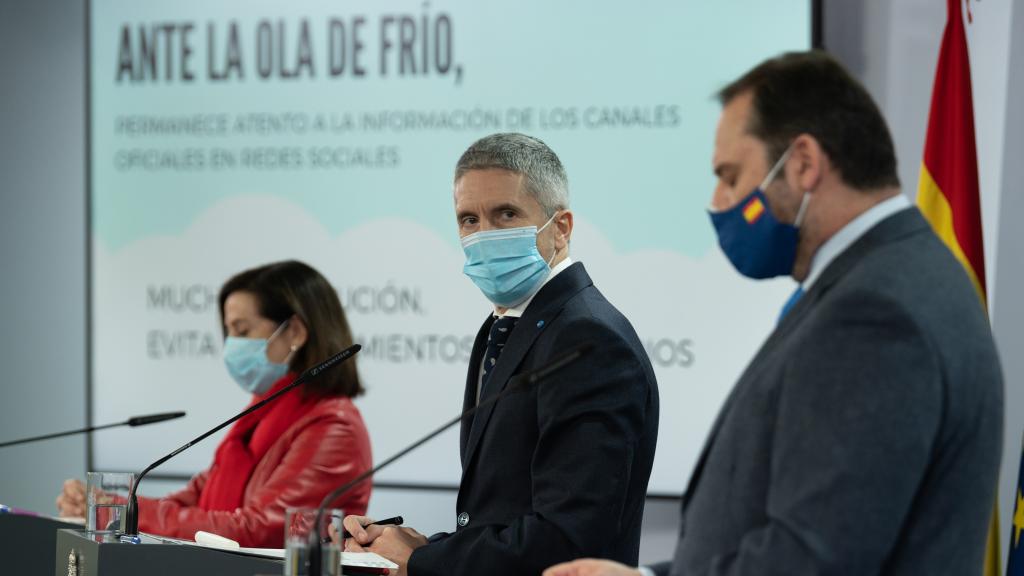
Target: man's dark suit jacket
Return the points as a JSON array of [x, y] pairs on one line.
[[865, 436], [560, 470]]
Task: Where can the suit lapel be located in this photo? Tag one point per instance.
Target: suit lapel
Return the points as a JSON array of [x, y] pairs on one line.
[[698, 468], [891, 229], [539, 314], [894, 227], [472, 379]]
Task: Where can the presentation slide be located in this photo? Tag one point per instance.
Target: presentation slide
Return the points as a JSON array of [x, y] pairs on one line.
[[227, 134]]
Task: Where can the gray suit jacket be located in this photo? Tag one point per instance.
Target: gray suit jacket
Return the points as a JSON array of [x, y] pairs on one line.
[[865, 435]]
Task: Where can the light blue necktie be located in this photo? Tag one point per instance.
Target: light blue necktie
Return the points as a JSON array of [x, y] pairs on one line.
[[791, 302]]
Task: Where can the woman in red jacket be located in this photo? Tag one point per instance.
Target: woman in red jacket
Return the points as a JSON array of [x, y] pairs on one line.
[[279, 320]]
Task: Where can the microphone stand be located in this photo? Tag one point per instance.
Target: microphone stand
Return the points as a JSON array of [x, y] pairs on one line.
[[132, 512], [133, 421]]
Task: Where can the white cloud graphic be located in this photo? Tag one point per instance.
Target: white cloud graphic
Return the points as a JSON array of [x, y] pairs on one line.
[[668, 297]]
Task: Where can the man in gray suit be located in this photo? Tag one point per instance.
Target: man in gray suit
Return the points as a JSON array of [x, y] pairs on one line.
[[864, 437]]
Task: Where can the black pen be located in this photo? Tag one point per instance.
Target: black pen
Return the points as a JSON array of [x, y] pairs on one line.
[[395, 521]]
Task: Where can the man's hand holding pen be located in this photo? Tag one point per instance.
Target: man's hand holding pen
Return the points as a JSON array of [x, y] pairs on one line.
[[393, 521], [386, 538]]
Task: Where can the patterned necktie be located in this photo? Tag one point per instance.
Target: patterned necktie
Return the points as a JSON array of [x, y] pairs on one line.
[[790, 303], [500, 330]]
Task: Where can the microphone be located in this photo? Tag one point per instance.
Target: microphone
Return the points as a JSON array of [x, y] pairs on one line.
[[133, 421], [154, 418], [131, 527], [517, 383]]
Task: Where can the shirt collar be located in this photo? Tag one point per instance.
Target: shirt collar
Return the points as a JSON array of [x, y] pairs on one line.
[[517, 310], [849, 234]]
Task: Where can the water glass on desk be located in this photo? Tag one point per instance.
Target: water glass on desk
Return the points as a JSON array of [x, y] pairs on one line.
[[298, 525], [106, 500]]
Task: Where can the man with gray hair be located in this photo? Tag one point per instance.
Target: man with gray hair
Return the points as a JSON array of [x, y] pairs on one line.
[[559, 470]]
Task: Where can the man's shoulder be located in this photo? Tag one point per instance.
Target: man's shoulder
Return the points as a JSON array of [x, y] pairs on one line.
[[576, 298], [917, 273], [590, 308], [912, 293]]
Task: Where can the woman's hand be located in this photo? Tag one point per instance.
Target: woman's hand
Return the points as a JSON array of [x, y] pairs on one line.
[[71, 502]]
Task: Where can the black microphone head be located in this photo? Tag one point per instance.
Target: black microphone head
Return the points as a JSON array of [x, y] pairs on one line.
[[331, 362], [580, 351], [153, 418], [527, 378], [520, 381]]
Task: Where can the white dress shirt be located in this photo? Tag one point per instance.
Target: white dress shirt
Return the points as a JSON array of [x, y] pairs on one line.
[[849, 234]]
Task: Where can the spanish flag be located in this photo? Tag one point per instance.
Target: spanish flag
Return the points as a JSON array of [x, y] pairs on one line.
[[948, 189], [753, 210], [1015, 563]]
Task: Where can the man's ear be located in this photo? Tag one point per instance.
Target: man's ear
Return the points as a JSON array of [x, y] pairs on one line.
[[563, 223], [807, 163]]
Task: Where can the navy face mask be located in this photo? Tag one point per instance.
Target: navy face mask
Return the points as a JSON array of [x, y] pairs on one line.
[[758, 245]]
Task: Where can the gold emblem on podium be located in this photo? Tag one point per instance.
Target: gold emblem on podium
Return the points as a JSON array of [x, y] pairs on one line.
[[72, 564]]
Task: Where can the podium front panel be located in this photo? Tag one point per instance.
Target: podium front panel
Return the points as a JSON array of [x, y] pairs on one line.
[[82, 553], [27, 542]]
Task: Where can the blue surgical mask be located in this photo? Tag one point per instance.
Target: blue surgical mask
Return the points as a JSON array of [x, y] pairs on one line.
[[757, 244], [246, 361], [505, 264]]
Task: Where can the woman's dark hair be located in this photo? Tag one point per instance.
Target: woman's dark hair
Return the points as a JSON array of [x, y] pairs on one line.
[[811, 93], [292, 288]]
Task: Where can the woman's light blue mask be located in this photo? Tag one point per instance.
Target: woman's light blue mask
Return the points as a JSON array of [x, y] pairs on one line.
[[247, 362], [505, 264]]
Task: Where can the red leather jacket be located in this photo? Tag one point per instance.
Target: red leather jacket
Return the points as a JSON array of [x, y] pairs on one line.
[[321, 451]]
